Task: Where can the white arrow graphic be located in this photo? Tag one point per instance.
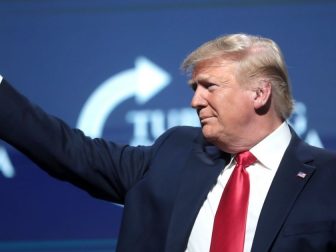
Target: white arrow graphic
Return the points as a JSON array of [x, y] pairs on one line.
[[6, 166], [143, 82]]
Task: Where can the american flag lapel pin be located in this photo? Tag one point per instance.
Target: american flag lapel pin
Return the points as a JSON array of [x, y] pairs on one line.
[[301, 174]]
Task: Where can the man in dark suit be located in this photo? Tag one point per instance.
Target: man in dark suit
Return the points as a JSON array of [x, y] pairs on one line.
[[172, 191]]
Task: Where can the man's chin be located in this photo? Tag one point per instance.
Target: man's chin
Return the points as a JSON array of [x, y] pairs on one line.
[[209, 135], [213, 138]]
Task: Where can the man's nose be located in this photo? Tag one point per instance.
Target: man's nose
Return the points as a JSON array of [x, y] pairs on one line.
[[199, 99]]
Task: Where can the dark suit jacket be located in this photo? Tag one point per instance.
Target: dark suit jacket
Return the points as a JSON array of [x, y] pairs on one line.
[[163, 186]]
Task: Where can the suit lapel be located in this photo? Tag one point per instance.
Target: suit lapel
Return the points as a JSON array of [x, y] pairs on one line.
[[293, 173], [202, 169]]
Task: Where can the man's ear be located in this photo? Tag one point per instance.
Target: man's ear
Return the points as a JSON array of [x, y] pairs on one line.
[[262, 94]]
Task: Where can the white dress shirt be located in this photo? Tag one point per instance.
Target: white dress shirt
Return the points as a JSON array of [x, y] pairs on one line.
[[269, 153], [0, 79]]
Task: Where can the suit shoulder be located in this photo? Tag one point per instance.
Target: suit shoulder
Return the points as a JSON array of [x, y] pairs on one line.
[[183, 132], [324, 157], [179, 135], [323, 153], [187, 131]]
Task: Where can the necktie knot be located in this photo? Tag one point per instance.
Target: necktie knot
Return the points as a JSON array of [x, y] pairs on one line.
[[245, 159]]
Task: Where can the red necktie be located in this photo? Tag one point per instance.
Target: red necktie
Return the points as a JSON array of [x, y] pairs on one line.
[[228, 232]]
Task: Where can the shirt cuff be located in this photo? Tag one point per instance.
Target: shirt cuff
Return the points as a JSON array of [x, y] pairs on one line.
[[0, 79]]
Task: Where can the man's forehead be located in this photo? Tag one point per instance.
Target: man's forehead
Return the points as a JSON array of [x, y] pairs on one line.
[[206, 69]]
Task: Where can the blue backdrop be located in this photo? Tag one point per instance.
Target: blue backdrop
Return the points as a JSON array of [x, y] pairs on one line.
[[112, 69]]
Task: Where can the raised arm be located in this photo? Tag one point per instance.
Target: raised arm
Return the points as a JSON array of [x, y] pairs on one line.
[[105, 169]]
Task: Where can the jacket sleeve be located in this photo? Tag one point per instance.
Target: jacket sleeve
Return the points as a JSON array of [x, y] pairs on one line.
[[105, 169]]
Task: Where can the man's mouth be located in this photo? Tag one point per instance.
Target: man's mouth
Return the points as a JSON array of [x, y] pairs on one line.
[[204, 119]]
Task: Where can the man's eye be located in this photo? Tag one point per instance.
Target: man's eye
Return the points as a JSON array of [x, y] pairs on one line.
[[211, 85], [193, 86]]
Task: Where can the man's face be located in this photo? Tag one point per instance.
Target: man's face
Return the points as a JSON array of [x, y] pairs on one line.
[[225, 107]]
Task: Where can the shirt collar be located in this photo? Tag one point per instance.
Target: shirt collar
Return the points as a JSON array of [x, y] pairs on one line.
[[271, 149]]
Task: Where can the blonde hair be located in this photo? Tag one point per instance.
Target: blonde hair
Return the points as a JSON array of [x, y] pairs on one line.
[[257, 57]]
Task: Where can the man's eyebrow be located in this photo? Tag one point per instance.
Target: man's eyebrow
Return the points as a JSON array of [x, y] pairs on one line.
[[198, 80]]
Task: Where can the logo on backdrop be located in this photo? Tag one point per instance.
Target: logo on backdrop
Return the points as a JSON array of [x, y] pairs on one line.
[[144, 82]]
